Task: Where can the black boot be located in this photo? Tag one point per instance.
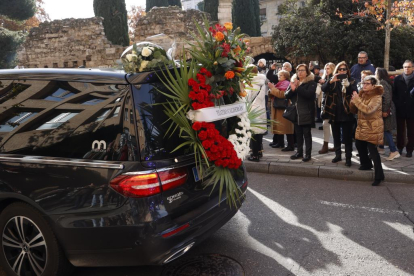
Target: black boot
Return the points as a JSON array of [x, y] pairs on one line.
[[296, 156], [348, 162], [376, 182], [337, 159], [307, 158]]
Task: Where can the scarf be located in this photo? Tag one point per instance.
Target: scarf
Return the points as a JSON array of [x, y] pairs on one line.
[[407, 78], [282, 85]]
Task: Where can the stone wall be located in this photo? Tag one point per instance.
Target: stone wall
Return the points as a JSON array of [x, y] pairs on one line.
[[69, 43], [175, 23], [261, 45], [75, 42]]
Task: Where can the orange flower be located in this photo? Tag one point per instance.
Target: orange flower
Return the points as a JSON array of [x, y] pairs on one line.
[[219, 36], [228, 26], [237, 50], [243, 94], [229, 75]]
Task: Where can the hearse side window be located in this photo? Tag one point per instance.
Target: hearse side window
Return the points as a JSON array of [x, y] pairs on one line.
[[69, 128], [10, 124]]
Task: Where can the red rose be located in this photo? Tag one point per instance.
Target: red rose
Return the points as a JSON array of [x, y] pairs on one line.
[[201, 78], [192, 82], [202, 135], [197, 126], [192, 95]]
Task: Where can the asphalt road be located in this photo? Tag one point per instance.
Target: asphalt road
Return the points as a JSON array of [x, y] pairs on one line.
[[311, 226]]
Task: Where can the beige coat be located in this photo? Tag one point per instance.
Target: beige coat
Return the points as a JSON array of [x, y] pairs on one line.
[[370, 122], [281, 125]]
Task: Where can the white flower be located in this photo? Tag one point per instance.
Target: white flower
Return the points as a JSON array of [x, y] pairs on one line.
[[146, 52], [249, 134], [129, 57], [144, 64]]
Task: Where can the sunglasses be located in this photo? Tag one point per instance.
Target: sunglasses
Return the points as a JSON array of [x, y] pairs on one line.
[[342, 69]]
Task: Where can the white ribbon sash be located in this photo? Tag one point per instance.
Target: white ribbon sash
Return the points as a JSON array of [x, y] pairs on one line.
[[211, 114]]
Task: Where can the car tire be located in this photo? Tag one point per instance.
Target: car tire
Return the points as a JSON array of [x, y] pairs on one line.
[[28, 244]]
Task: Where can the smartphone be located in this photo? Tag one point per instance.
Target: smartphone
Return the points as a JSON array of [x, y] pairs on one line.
[[315, 62], [342, 76]]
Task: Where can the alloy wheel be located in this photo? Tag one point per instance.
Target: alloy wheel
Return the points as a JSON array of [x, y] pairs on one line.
[[24, 246]]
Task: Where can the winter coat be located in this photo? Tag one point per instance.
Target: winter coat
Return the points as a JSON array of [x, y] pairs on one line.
[[370, 123], [404, 104], [280, 124], [257, 95], [304, 99], [389, 122], [336, 107], [270, 75], [358, 68]]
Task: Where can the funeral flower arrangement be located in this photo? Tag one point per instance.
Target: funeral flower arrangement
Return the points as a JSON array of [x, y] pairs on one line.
[[144, 56], [207, 100], [212, 84]]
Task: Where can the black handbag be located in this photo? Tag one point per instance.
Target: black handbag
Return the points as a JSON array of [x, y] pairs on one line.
[[290, 113], [280, 103]]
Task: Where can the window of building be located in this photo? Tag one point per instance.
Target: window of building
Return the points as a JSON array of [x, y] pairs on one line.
[[65, 64], [75, 64], [59, 95], [93, 101], [262, 14], [58, 120], [11, 123], [116, 112], [103, 115]]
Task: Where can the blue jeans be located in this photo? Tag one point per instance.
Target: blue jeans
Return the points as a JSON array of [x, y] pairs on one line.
[[390, 141]]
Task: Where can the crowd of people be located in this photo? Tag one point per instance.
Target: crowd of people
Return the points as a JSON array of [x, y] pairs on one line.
[[359, 104]]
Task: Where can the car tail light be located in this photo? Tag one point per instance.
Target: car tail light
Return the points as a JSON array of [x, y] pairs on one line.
[[173, 178], [142, 185]]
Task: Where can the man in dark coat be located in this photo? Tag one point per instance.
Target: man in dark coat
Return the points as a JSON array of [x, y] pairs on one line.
[[363, 64], [404, 106]]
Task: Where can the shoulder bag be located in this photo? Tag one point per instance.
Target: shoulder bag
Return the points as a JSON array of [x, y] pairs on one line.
[[290, 113]]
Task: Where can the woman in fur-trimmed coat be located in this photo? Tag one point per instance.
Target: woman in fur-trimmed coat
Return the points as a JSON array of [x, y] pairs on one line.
[[370, 130]]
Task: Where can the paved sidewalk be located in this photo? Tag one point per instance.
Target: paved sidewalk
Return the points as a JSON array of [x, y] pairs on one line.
[[275, 161]]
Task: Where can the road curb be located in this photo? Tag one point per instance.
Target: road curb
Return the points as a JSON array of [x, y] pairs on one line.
[[305, 170]]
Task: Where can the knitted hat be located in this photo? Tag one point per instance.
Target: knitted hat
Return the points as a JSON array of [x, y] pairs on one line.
[[262, 60]]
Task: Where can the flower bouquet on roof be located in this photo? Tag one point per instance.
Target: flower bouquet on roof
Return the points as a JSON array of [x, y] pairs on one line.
[[208, 108], [144, 56]]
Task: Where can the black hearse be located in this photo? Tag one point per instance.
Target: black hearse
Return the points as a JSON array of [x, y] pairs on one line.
[[88, 177]]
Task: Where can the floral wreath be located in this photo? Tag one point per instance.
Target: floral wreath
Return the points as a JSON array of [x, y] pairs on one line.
[[216, 77]]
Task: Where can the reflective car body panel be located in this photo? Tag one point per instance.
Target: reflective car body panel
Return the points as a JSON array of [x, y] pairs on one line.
[[66, 134]]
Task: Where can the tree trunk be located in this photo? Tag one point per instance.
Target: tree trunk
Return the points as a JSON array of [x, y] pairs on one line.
[[387, 36]]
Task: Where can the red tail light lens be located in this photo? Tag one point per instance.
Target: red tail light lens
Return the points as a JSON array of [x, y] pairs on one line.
[[173, 178], [142, 185], [137, 185]]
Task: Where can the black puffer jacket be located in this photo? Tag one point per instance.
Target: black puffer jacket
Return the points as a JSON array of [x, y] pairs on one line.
[[304, 98], [404, 104]]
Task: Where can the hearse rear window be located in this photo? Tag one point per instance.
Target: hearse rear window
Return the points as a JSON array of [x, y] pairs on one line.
[[152, 124]]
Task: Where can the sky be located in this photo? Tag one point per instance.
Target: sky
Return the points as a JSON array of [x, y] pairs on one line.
[[59, 9]]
